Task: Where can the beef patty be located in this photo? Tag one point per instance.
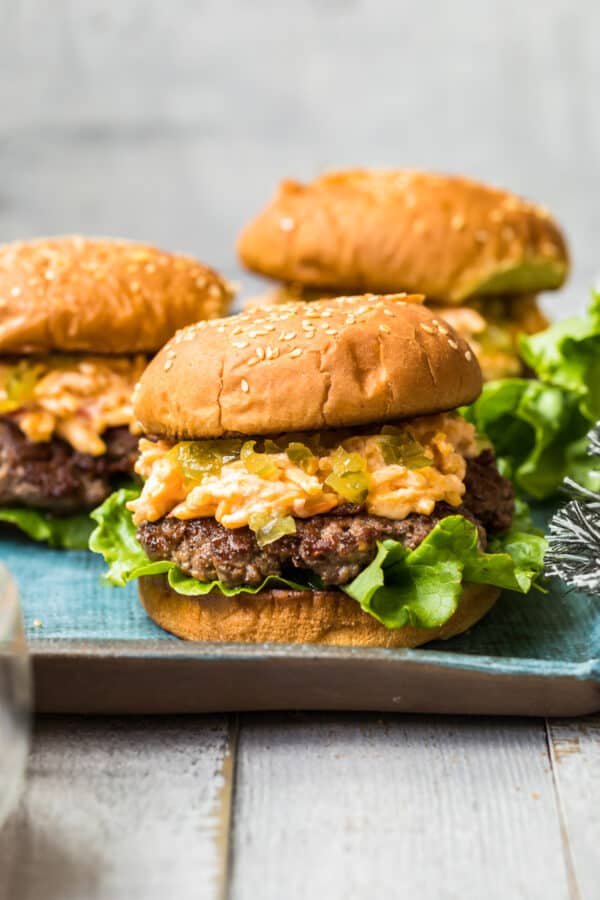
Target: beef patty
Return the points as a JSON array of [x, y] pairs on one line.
[[54, 477], [334, 547]]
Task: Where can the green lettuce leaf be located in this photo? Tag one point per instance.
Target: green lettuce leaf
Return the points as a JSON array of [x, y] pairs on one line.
[[567, 355], [538, 426], [66, 532], [421, 586], [534, 428]]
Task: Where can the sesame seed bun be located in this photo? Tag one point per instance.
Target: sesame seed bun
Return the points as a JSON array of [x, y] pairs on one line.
[[387, 231], [307, 366], [296, 617], [103, 296]]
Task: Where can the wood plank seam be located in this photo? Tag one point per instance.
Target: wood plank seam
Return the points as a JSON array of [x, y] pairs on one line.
[[227, 801], [572, 883]]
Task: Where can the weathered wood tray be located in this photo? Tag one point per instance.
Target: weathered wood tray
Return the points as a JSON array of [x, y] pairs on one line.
[[95, 651]]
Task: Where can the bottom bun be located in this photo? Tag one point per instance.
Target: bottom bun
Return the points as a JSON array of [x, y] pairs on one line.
[[296, 617]]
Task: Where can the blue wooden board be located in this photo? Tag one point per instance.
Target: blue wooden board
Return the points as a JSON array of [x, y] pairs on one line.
[[64, 591], [66, 605]]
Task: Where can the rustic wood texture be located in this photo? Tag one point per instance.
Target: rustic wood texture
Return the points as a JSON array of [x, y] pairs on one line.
[[121, 808], [350, 807], [332, 805], [575, 753]]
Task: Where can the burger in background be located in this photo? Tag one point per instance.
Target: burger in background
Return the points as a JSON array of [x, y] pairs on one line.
[[78, 319], [307, 479], [479, 254]]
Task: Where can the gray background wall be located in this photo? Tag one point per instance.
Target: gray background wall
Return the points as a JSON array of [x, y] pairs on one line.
[[171, 120]]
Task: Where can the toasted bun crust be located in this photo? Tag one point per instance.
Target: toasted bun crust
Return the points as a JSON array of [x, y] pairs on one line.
[[106, 296], [306, 366], [296, 617], [387, 231]]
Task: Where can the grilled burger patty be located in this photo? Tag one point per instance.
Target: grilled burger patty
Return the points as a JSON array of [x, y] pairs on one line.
[[334, 547], [54, 477]]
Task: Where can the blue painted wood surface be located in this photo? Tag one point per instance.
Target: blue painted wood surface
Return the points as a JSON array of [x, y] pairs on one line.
[[64, 597]]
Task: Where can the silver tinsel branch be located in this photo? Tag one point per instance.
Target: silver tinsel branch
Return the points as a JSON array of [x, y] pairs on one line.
[[574, 540]]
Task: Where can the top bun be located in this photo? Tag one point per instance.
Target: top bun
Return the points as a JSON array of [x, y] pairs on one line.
[[403, 230], [306, 366], [102, 296]]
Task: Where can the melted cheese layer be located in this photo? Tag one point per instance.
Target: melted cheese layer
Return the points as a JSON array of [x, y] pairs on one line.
[[76, 399], [235, 494], [492, 327]]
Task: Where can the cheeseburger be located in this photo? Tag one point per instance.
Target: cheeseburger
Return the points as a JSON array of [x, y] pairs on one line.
[[306, 477], [78, 319], [479, 254]]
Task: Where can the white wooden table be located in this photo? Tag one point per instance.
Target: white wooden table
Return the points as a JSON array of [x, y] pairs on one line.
[[171, 122], [304, 805]]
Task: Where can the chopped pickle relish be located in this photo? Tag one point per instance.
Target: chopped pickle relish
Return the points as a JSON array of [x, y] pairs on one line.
[[75, 398], [391, 471]]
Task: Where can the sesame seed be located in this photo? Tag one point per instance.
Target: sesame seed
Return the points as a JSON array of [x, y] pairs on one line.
[[252, 361], [239, 345], [286, 223], [442, 329], [549, 249], [457, 222], [244, 385], [168, 364], [468, 355], [496, 215], [15, 291], [289, 336], [452, 344], [385, 329], [260, 353], [331, 331], [427, 328], [237, 330], [214, 290], [296, 352], [388, 312], [49, 274], [134, 286]]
